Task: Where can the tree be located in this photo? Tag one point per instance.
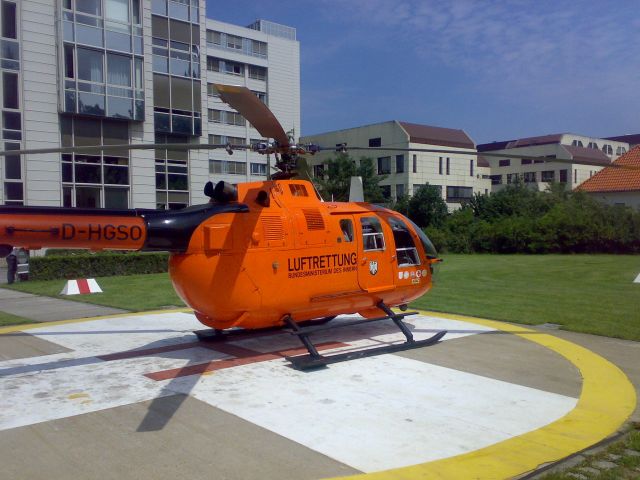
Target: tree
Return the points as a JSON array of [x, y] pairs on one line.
[[427, 208], [336, 180]]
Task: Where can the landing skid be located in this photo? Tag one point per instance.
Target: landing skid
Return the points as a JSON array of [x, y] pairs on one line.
[[315, 360]]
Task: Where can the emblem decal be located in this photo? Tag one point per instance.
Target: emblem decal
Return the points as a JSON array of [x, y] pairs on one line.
[[373, 267]]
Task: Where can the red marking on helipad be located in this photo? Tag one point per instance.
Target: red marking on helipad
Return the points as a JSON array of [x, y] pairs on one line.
[[243, 356], [83, 286]]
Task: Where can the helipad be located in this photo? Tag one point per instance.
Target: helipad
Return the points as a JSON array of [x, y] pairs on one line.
[[140, 389]]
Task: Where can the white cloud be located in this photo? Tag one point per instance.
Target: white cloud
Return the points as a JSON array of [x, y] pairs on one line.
[[543, 50]]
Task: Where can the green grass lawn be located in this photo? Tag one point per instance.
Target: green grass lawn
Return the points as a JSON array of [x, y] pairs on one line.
[[583, 293], [131, 292], [8, 319]]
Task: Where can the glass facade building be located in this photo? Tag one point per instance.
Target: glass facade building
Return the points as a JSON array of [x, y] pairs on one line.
[[112, 72]]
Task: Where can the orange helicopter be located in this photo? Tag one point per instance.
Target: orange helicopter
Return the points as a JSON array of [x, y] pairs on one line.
[[261, 254]]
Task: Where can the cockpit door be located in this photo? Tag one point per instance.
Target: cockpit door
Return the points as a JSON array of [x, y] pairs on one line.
[[375, 263]]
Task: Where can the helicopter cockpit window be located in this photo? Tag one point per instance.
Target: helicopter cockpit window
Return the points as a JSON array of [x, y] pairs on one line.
[[298, 190], [347, 230], [372, 236], [406, 251]]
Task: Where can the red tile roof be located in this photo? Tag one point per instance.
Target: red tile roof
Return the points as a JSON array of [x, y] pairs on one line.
[[615, 179], [429, 135]]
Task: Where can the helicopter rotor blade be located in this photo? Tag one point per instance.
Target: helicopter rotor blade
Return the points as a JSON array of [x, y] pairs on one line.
[[134, 146], [254, 111]]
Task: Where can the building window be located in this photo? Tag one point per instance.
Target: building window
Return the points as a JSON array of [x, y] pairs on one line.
[[9, 25], [384, 165], [233, 42], [563, 176], [13, 179], [593, 145], [415, 164], [375, 142], [100, 179], [399, 163], [215, 116], [529, 177], [607, 149], [233, 68], [577, 143], [496, 179], [259, 49], [318, 171], [548, 176], [440, 165], [448, 166], [471, 168], [214, 37], [505, 162], [227, 167], [257, 73], [621, 151], [575, 176], [10, 90], [459, 194], [233, 118], [259, 169], [512, 177], [213, 64], [172, 174], [525, 161], [399, 190], [386, 191], [212, 91]]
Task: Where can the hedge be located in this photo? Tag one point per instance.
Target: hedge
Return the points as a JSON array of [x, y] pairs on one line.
[[88, 265]]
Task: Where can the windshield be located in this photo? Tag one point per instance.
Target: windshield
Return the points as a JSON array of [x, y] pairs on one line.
[[429, 249]]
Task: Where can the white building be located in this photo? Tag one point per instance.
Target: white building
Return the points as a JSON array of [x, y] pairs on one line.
[[589, 154], [265, 58], [458, 175], [86, 72]]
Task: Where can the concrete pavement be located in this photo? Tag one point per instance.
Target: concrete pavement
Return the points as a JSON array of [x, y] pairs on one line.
[[47, 309], [88, 398]]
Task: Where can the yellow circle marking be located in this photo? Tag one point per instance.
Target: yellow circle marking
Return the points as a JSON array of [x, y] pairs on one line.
[[607, 399]]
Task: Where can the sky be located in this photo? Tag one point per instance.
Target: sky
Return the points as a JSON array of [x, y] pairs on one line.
[[497, 69]]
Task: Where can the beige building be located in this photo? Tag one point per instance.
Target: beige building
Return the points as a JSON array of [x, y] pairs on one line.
[[406, 169], [589, 154]]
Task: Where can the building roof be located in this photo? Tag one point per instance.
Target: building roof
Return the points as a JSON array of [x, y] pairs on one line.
[[487, 147], [589, 156], [483, 162], [522, 142], [615, 179], [632, 139], [429, 135], [540, 140]]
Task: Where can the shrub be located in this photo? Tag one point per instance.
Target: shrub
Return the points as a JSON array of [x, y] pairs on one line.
[[87, 265]]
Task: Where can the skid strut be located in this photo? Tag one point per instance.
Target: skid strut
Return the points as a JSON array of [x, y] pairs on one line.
[[315, 360]]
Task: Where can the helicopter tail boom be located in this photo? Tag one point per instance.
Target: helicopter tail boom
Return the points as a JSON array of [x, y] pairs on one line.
[[104, 229]]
